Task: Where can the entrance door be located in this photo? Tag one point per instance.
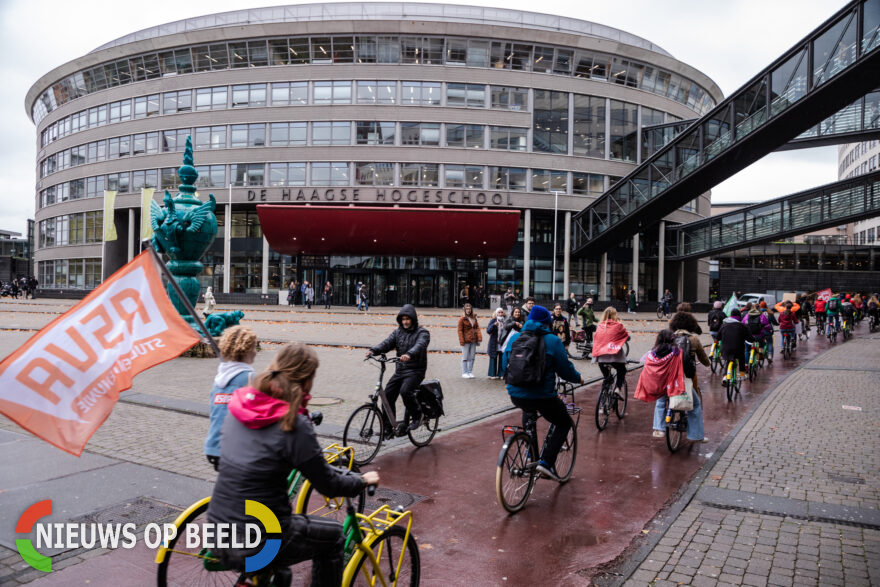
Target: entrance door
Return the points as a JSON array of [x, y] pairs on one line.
[[345, 287], [424, 290]]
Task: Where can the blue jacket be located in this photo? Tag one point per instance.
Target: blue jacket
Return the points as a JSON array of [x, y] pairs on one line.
[[494, 330], [220, 396], [557, 364]]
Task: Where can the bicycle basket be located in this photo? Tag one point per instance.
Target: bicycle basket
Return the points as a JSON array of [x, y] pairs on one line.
[[430, 398]]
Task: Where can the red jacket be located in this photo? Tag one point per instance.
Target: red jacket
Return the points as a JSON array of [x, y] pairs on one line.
[[661, 376], [609, 338], [787, 321]]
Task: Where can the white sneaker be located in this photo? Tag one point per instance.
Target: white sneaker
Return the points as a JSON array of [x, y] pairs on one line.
[[619, 393], [659, 434], [464, 376], [470, 375]]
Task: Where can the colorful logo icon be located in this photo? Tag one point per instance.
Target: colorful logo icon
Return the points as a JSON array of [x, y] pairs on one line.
[[271, 525], [26, 524]]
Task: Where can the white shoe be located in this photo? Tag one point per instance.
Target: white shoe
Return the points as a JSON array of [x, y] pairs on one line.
[[470, 375], [659, 434], [619, 393], [464, 376]]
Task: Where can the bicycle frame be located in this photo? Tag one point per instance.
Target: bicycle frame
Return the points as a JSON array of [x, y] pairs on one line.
[[379, 394], [361, 530]]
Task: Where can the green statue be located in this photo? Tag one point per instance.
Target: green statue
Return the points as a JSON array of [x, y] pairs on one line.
[[183, 228]]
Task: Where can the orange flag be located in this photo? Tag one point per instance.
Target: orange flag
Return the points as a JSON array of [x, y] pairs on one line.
[[63, 383]]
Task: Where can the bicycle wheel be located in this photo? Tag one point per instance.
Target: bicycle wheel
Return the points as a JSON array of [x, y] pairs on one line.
[[737, 383], [620, 404], [674, 431], [602, 407], [714, 363], [332, 508], [753, 371], [424, 434], [364, 432], [567, 455], [513, 478], [399, 562], [660, 313], [192, 566], [626, 349]]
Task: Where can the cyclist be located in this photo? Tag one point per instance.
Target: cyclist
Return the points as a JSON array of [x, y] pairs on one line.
[[666, 300], [771, 318], [873, 306], [787, 321], [588, 318], [683, 323], [541, 397], [411, 343], [608, 349], [734, 334], [758, 324], [262, 440], [715, 318], [848, 310], [803, 314], [832, 312]]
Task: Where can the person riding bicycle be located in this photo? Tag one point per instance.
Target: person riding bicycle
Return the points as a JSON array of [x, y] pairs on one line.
[[538, 394], [666, 301], [608, 348], [683, 323], [771, 317], [588, 318], [874, 307], [787, 320], [848, 310], [758, 324], [411, 343], [734, 334], [716, 318], [832, 311], [263, 439], [803, 314]]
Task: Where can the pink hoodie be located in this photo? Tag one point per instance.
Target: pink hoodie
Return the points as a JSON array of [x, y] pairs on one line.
[[255, 409]]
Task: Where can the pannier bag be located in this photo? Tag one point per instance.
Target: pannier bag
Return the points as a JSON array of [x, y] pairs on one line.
[[430, 398]]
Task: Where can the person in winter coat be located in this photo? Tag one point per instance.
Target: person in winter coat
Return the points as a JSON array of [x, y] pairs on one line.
[[411, 343], [684, 324], [542, 398], [308, 294], [787, 323], [608, 348], [510, 300], [715, 318], [469, 337], [210, 305], [560, 326], [571, 308], [588, 318], [514, 323], [758, 324], [238, 349], [734, 335], [632, 304], [292, 288], [265, 437], [667, 301], [327, 295], [495, 329]]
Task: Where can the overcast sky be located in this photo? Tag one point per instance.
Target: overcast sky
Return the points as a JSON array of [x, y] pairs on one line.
[[728, 40]]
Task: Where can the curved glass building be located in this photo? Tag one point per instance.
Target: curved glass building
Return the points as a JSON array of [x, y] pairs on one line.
[[357, 104]]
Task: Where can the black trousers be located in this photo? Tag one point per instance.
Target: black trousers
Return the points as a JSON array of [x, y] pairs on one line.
[[553, 410], [404, 384], [621, 372]]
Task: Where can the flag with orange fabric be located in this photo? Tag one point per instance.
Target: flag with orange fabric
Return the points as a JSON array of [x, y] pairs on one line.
[[62, 384]]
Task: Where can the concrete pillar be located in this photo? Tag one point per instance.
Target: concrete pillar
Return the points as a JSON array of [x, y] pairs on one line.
[[131, 230], [661, 260], [264, 286], [227, 247], [566, 258], [527, 251], [635, 267], [679, 295], [603, 276], [846, 260]]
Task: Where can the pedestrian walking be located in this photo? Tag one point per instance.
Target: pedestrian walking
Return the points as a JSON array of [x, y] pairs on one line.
[[362, 297], [633, 302], [210, 304], [302, 291], [464, 295], [308, 295], [291, 293], [328, 295], [32, 286], [495, 329], [469, 337]]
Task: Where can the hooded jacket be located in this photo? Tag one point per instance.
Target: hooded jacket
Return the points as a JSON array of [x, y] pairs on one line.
[[660, 376], [557, 363], [788, 320], [230, 376], [733, 335], [715, 318], [413, 342], [257, 456], [766, 328]]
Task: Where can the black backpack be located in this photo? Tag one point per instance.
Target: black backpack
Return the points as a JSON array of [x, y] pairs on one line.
[[833, 305], [715, 320], [755, 326], [528, 359], [430, 398], [687, 361]]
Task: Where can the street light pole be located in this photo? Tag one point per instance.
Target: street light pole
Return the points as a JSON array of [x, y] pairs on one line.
[[555, 222]]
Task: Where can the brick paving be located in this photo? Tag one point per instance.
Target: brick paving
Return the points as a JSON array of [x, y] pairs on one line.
[[795, 497]]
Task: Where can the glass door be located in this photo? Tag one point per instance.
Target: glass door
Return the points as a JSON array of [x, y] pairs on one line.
[[444, 291], [424, 290]]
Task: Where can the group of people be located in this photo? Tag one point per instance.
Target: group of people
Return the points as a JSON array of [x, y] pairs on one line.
[[20, 286], [304, 294]]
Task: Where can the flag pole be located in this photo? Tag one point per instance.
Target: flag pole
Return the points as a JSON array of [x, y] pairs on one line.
[[148, 244]]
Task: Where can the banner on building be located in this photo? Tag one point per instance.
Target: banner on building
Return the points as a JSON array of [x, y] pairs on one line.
[[63, 383], [824, 294], [109, 213], [146, 221]]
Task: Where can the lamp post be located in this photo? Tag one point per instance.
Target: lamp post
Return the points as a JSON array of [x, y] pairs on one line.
[[555, 222]]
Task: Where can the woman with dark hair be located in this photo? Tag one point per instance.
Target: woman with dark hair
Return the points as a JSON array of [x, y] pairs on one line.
[[684, 320]]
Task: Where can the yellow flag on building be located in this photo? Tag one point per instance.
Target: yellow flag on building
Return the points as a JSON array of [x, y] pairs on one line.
[[109, 224], [146, 221]]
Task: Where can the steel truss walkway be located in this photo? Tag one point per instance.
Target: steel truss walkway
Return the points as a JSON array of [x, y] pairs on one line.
[[857, 198], [826, 71]]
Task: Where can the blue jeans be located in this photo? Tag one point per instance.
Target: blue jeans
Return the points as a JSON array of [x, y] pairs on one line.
[[467, 358], [695, 417], [495, 365]]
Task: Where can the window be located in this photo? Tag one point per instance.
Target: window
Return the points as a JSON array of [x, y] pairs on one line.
[[508, 138], [464, 176], [174, 140], [510, 98], [420, 133], [507, 178], [332, 92], [420, 93], [118, 182], [419, 174], [545, 180], [94, 229], [95, 186], [624, 127], [97, 151], [148, 178], [146, 106], [211, 176], [247, 135], [587, 184], [376, 92], [77, 229], [510, 56], [247, 174], [469, 95], [167, 178], [118, 147], [120, 111], [331, 133], [211, 98], [589, 126], [464, 135], [210, 137], [244, 96], [374, 173], [550, 133], [97, 116], [330, 173], [284, 174], [375, 133], [145, 143], [287, 134], [290, 93], [174, 102]]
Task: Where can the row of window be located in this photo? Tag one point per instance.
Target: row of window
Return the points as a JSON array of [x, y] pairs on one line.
[[71, 229], [416, 93], [69, 273], [334, 173], [390, 49], [866, 237], [857, 150]]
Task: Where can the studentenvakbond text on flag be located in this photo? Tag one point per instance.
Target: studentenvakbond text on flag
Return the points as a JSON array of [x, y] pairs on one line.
[[63, 383]]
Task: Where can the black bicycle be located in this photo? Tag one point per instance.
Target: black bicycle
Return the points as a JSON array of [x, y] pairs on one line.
[[371, 424], [676, 428], [518, 460], [787, 345], [608, 400]]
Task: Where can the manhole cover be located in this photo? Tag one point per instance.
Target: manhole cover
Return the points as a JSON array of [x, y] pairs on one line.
[[846, 479], [325, 401], [392, 498], [139, 511]]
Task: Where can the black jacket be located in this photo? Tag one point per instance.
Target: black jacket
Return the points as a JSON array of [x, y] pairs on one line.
[[733, 335], [719, 315], [413, 342]]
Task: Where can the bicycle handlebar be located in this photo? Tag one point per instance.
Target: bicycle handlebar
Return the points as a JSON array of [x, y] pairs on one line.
[[383, 359]]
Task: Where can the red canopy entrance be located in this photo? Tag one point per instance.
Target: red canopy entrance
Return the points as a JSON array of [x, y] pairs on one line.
[[365, 230]]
